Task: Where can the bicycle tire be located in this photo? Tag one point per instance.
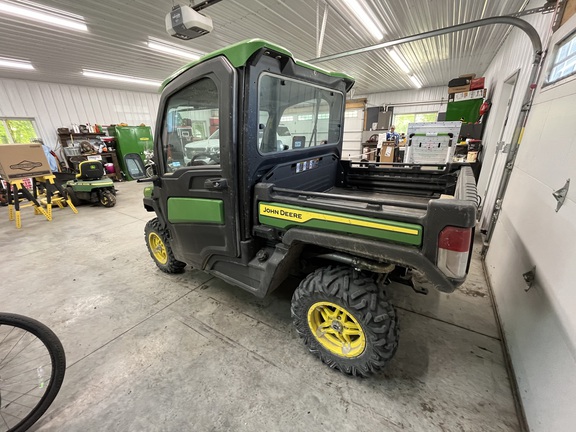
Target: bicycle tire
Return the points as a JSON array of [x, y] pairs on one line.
[[55, 350]]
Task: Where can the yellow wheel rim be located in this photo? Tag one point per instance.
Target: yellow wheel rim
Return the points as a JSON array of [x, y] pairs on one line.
[[336, 329], [158, 248]]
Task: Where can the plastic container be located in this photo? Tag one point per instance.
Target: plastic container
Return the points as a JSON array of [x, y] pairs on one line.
[[72, 151], [109, 167]]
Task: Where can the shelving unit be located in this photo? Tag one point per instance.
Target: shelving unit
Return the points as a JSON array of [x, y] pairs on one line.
[[369, 148], [73, 160]]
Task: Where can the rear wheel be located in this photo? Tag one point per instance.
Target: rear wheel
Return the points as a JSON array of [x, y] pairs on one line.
[[159, 248], [107, 198], [344, 321]]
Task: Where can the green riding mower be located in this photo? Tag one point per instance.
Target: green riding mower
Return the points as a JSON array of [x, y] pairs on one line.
[[91, 185]]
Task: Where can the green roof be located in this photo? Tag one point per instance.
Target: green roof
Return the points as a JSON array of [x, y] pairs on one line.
[[239, 53]]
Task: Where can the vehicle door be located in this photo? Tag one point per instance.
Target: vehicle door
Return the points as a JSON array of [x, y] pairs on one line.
[[196, 185]]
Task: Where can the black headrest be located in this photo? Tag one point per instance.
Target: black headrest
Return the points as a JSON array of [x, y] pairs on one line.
[[90, 170]]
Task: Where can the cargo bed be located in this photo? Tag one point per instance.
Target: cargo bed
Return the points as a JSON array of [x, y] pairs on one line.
[[368, 191]]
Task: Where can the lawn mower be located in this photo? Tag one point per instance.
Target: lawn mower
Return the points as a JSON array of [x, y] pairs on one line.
[[91, 185]]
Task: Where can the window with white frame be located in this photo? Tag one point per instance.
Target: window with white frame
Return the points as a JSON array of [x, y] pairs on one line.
[[401, 121], [564, 63], [17, 130]]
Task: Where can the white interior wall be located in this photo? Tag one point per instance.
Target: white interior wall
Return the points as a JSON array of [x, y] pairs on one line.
[[540, 325], [352, 139], [59, 105]]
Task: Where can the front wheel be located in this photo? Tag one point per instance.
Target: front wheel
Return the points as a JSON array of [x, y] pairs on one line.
[[32, 368], [344, 321], [159, 248], [72, 196], [107, 198]]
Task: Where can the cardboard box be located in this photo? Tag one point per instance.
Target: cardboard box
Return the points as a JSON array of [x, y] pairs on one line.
[[477, 83], [387, 151], [472, 157], [459, 89], [18, 161]]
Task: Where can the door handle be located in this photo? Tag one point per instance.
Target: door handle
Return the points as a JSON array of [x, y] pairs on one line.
[[216, 184]]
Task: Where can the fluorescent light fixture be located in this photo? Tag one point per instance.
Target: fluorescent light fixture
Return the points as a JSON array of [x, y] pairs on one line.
[[365, 18], [171, 49], [36, 12], [415, 81], [115, 77], [399, 60], [16, 64]]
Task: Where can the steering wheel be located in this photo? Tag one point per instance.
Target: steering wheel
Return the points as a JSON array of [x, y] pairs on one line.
[[194, 162]]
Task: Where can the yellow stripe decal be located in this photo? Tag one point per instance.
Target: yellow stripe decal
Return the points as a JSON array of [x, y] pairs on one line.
[[301, 216]]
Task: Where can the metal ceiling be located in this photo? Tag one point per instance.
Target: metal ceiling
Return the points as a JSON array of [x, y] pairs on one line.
[[118, 32]]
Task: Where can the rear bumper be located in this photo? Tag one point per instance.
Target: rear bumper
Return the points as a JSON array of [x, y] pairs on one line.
[[425, 273], [443, 283]]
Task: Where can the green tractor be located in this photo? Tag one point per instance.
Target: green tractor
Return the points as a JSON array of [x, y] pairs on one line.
[[244, 208]]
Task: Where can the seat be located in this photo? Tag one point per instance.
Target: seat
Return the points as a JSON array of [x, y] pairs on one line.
[[90, 170]]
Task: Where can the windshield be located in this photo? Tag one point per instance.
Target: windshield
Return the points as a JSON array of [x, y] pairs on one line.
[[295, 115]]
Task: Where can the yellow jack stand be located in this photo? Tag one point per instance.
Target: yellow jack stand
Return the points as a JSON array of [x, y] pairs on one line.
[[54, 194], [15, 186]]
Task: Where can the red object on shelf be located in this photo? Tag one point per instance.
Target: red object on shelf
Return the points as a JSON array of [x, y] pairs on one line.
[[214, 122], [477, 83]]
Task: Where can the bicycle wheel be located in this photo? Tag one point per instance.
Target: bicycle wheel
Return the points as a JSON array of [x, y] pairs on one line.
[[32, 367]]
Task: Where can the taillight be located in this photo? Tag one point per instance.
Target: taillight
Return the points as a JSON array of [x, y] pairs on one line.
[[453, 250]]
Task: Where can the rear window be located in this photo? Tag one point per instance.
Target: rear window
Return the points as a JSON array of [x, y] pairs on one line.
[[296, 115]]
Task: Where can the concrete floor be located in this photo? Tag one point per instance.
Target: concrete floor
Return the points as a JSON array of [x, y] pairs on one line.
[[148, 351]]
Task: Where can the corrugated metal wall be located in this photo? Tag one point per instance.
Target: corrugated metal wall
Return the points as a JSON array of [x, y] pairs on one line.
[[59, 105], [428, 99]]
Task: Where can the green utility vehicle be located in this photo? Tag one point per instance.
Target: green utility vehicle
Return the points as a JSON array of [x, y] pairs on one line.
[[252, 212]]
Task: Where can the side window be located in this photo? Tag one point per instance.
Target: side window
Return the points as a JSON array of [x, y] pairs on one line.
[[15, 130], [295, 115], [564, 63], [190, 135]]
